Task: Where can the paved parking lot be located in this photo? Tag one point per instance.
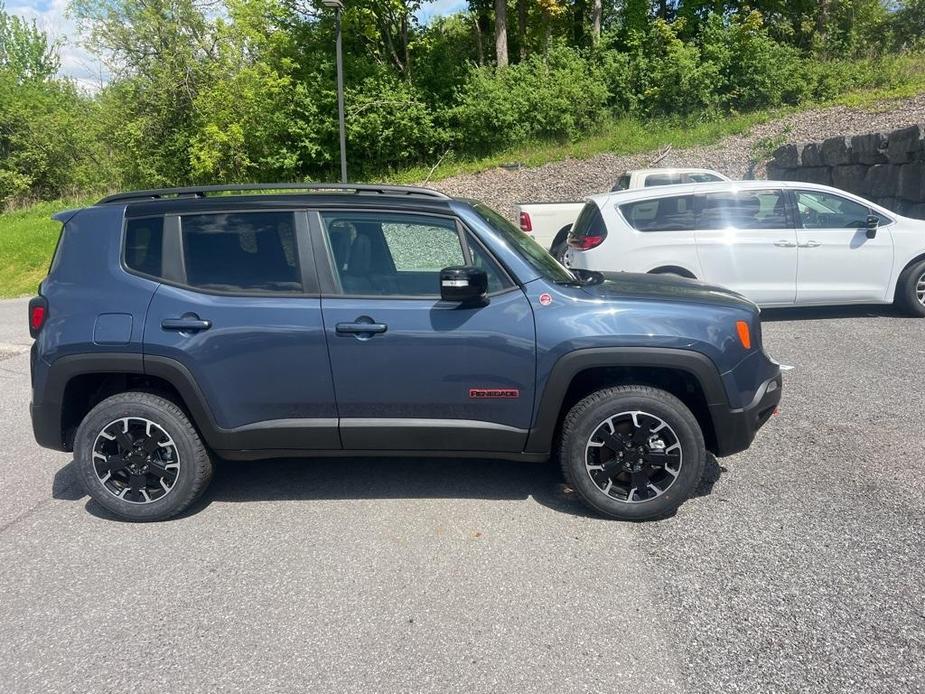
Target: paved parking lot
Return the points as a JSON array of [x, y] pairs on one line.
[[799, 568]]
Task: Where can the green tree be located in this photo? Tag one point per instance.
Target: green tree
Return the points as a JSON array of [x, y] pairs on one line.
[[25, 51]]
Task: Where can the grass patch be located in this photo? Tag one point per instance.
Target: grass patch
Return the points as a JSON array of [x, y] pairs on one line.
[[27, 241]]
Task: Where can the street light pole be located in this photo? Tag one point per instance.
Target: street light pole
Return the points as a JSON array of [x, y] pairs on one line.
[[338, 6]]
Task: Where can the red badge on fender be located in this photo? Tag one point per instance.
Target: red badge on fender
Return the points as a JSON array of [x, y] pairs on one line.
[[545, 299], [488, 393]]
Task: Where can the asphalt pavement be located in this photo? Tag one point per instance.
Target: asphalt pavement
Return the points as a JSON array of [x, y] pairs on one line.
[[798, 568]]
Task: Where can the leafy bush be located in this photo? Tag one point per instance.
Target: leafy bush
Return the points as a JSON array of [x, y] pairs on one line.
[[555, 97], [754, 71], [666, 76], [389, 121]]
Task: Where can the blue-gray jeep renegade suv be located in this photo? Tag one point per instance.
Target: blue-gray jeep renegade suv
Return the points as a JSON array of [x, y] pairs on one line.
[[177, 325]]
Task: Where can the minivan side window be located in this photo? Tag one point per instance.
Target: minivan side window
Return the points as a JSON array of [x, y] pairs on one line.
[[820, 210], [382, 254], [675, 213], [744, 209], [144, 245], [241, 252]]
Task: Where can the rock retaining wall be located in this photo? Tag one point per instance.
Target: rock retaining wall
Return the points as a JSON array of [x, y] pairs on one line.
[[888, 168]]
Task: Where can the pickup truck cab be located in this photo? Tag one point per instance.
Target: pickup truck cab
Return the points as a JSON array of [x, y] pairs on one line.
[[548, 223], [177, 326]]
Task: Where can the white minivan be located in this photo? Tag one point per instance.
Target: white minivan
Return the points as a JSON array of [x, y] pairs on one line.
[[777, 243]]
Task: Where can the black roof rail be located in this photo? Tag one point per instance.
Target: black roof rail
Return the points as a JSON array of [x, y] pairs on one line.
[[202, 191]]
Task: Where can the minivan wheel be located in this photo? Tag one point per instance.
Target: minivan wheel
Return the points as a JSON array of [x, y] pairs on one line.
[[139, 456], [910, 290], [632, 452]]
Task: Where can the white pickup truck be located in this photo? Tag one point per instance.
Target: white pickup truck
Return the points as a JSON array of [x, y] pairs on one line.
[[549, 222]]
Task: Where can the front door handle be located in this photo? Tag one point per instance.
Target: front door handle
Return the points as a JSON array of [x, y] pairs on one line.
[[360, 328], [186, 325], [785, 244], [810, 244]]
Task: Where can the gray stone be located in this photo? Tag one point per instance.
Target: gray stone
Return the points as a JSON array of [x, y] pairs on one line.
[[814, 174], [850, 177], [892, 204], [882, 180], [835, 151], [812, 154], [917, 211], [903, 144], [867, 149], [787, 157], [912, 181], [776, 173]]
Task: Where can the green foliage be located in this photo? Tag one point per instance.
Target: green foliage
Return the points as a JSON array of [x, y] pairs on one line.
[[25, 51], [27, 241], [555, 97], [244, 90], [754, 71], [665, 74]]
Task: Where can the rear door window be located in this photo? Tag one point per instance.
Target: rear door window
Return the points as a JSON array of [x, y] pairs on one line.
[[744, 209], [241, 252], [622, 184], [674, 213]]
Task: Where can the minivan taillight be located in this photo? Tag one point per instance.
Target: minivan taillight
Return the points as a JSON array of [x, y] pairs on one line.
[[526, 225], [38, 314], [587, 241]]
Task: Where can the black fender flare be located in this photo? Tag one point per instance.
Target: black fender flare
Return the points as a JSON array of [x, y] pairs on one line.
[[570, 365]]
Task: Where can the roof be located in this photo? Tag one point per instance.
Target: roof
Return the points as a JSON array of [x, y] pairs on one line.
[[713, 187]]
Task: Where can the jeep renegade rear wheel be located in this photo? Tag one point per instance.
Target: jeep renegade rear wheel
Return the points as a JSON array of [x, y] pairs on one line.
[[139, 456], [632, 452]]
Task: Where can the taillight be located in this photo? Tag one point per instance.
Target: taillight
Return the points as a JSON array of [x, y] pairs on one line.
[[586, 242], [38, 314], [525, 223]]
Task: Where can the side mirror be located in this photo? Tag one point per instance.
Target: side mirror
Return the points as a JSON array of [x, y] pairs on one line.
[[873, 223], [463, 284]]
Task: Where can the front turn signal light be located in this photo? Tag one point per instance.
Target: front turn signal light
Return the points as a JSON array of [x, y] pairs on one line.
[[745, 335]]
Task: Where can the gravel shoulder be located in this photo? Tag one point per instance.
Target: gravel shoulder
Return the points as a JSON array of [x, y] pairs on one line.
[[574, 179]]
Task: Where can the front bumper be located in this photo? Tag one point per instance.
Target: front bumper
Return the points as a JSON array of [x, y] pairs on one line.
[[735, 429]]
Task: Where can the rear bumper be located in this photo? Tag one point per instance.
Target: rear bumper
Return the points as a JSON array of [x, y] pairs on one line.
[[46, 426], [736, 429]]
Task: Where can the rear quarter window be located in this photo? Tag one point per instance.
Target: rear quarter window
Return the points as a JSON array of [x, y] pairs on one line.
[[674, 213], [144, 242]]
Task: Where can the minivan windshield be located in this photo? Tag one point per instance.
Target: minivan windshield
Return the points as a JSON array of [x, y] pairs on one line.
[[531, 251]]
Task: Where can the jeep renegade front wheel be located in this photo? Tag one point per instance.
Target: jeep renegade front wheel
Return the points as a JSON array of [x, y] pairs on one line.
[[139, 456], [632, 452]]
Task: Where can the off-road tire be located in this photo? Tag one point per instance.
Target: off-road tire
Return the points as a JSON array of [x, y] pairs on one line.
[[587, 415], [195, 471]]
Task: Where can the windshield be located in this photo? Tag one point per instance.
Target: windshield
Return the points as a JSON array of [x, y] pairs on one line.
[[529, 249]]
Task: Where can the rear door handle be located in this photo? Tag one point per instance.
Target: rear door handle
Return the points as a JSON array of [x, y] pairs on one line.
[[186, 325], [361, 328], [785, 244], [810, 244]]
